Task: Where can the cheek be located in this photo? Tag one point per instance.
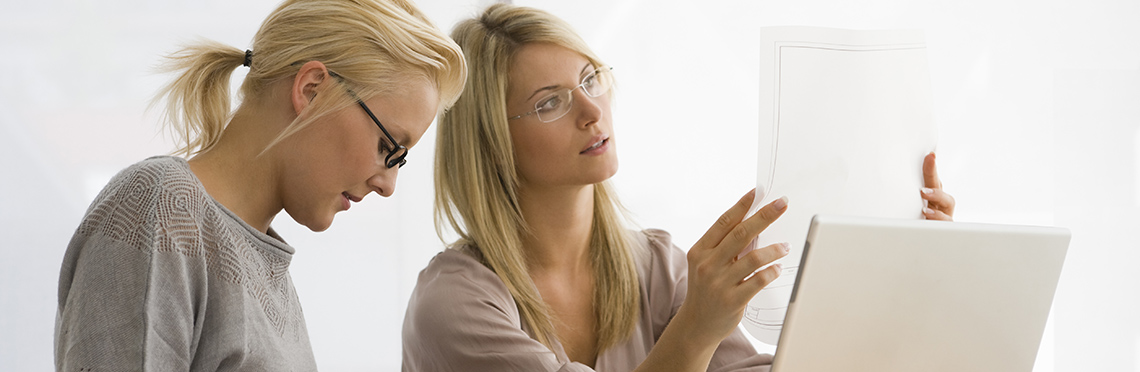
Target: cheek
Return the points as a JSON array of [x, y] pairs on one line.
[[362, 153], [331, 151], [349, 147], [535, 150]]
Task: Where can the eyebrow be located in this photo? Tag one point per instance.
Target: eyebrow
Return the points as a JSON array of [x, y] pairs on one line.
[[552, 87], [402, 138]]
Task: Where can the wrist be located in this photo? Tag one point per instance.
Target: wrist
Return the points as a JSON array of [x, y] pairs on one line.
[[693, 331]]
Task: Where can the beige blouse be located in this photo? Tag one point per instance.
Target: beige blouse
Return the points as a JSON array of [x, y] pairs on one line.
[[462, 318]]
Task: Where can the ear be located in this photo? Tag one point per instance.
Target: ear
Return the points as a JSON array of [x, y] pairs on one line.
[[305, 84]]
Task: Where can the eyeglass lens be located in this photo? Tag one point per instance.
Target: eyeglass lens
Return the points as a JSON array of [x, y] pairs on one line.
[[554, 106], [395, 158]]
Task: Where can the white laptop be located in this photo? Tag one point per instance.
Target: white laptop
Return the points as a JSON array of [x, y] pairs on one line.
[[889, 295]]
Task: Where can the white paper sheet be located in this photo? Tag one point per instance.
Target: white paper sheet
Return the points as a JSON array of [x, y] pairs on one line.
[[845, 120]]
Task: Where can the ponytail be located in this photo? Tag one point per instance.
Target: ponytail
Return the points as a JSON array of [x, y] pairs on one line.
[[376, 45], [198, 101]]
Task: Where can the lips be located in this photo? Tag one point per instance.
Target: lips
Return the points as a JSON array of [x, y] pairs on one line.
[[347, 199], [350, 197], [596, 142]]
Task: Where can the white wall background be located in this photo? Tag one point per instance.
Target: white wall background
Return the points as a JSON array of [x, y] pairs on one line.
[[1037, 102]]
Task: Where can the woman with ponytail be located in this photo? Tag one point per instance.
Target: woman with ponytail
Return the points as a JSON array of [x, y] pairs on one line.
[[175, 266]]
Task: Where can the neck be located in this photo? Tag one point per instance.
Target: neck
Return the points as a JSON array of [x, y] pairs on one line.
[[560, 220], [236, 176]]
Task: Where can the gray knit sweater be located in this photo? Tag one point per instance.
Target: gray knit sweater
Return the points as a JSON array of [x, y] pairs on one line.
[[161, 277]]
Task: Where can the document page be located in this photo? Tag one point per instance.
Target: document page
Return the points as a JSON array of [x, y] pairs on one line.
[[845, 121]]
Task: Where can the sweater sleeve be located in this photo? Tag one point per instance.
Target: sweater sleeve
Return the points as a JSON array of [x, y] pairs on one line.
[[123, 305], [670, 284], [462, 318]]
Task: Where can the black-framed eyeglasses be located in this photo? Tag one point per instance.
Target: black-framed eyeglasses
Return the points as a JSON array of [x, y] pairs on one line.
[[398, 153], [554, 106]]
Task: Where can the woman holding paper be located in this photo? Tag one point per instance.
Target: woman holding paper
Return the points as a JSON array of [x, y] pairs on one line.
[[545, 276]]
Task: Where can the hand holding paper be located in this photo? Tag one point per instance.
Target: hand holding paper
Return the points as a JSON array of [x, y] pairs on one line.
[[939, 204], [719, 287], [845, 121]]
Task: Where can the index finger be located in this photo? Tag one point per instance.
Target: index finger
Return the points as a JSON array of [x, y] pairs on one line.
[[744, 232], [726, 222], [930, 172]]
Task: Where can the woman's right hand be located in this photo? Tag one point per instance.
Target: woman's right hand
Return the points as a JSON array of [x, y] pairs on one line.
[[719, 285]]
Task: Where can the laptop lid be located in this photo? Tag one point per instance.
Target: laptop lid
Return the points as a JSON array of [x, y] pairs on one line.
[[913, 295]]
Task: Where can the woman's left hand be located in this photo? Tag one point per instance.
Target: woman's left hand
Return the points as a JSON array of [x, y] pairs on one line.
[[939, 204]]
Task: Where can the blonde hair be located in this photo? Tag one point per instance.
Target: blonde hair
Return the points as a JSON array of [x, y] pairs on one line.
[[373, 44], [477, 181]]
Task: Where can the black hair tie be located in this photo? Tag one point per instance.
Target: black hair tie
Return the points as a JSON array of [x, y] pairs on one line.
[[248, 58]]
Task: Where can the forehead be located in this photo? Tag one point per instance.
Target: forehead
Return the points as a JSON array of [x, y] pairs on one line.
[[407, 111], [539, 65]]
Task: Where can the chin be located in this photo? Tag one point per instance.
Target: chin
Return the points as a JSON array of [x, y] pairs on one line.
[[600, 176], [315, 224], [611, 169], [319, 228]]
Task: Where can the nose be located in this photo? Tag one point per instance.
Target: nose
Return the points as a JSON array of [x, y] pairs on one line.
[[589, 110], [384, 181]]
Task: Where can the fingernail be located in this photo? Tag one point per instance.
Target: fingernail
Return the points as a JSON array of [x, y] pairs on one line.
[[927, 190], [784, 247], [927, 211], [781, 203], [779, 268]]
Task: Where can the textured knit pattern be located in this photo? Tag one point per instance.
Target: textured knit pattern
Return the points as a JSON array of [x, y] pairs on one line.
[[462, 318], [161, 277]]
